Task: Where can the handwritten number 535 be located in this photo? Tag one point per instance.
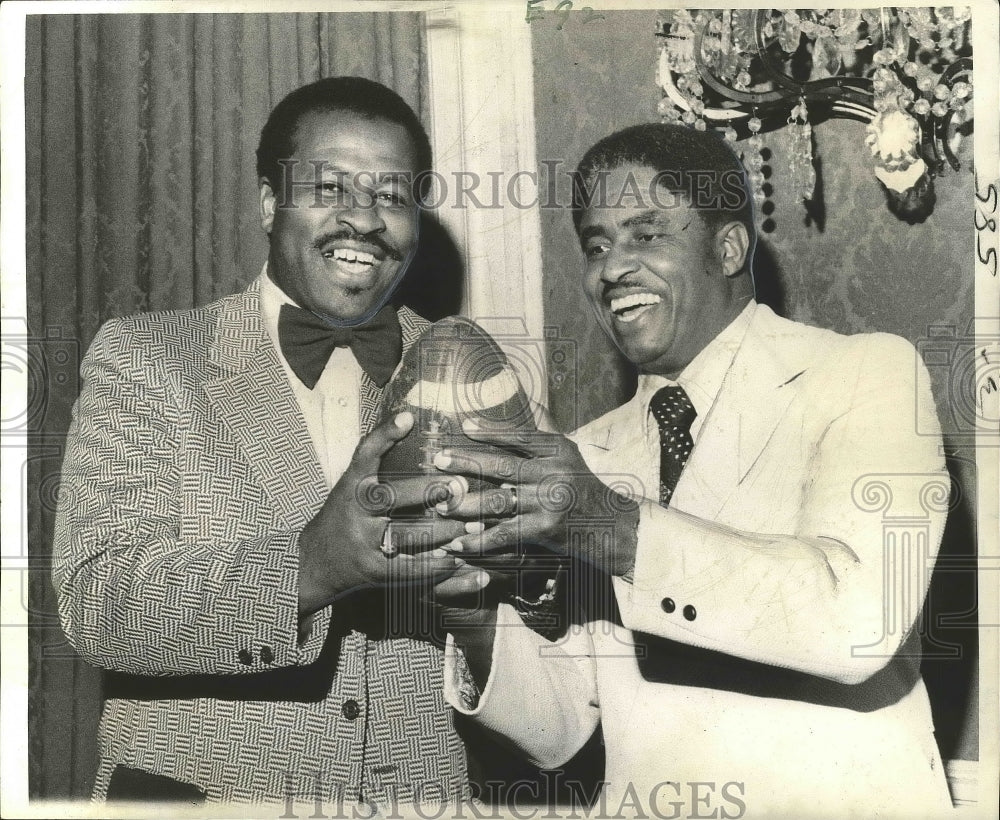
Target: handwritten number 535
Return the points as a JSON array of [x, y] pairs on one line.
[[986, 227]]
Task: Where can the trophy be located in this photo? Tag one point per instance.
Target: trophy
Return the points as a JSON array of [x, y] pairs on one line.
[[453, 372]]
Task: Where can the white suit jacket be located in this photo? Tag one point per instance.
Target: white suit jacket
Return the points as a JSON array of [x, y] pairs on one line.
[[766, 646]]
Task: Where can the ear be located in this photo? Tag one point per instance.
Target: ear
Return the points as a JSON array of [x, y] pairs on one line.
[[267, 204], [732, 243]]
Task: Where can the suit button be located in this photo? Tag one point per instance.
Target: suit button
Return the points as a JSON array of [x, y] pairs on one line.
[[668, 605], [350, 709], [245, 657], [266, 655], [690, 612]]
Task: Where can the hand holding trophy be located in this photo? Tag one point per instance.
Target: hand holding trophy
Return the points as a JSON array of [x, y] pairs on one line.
[[456, 375]]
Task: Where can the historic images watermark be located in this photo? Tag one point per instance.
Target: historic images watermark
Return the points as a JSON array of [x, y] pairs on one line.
[[665, 800], [317, 184], [48, 363]]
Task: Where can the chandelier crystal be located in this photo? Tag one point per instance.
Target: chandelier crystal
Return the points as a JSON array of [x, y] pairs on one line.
[[905, 72]]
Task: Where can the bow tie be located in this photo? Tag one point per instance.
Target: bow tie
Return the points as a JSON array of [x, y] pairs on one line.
[[307, 343]]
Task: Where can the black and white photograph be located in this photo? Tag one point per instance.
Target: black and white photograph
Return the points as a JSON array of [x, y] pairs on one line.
[[500, 409]]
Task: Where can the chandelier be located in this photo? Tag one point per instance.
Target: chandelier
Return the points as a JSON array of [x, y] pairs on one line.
[[906, 72]]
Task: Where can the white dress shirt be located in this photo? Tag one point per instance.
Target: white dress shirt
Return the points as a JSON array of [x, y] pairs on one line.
[[701, 379], [332, 409]]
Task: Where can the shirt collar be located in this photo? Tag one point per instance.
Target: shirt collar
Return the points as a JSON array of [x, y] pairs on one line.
[[702, 378], [271, 299]]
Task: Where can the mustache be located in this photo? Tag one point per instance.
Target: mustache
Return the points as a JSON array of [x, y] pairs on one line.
[[610, 288], [377, 245]]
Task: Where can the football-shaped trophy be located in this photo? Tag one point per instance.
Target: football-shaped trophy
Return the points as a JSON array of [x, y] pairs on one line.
[[453, 372]]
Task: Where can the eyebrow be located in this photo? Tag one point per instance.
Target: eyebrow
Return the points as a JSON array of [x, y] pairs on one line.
[[650, 217], [394, 176], [376, 177], [653, 216], [590, 232]]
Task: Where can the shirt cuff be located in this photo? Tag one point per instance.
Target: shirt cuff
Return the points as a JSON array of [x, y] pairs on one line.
[[468, 692], [470, 700]]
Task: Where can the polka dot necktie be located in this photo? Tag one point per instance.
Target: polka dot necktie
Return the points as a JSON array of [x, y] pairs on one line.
[[674, 415]]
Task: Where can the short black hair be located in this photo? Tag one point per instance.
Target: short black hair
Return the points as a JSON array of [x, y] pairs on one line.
[[697, 164], [356, 95]]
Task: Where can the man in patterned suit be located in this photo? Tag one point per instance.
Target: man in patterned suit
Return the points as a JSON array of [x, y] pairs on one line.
[[217, 545], [756, 654]]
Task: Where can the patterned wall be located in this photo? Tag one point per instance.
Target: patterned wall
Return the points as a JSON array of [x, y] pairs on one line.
[[852, 266]]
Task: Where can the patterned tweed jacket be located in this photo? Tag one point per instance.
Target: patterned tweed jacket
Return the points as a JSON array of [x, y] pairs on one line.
[[189, 473]]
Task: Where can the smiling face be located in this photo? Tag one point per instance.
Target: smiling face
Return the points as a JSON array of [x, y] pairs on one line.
[[662, 282], [341, 236]]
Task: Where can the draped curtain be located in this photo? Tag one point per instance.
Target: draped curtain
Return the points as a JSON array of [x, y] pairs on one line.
[[142, 195]]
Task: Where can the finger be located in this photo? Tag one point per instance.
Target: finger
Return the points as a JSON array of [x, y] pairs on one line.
[[407, 493], [496, 465], [523, 442], [506, 535], [425, 568], [463, 582], [378, 442], [423, 491], [487, 504], [414, 537]]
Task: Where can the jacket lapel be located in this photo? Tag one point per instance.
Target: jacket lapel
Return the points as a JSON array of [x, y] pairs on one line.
[[252, 397], [412, 327], [755, 393]]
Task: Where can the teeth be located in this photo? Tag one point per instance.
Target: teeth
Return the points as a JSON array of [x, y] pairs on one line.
[[622, 303], [348, 255]]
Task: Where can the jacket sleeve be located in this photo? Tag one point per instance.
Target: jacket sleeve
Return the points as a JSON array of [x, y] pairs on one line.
[[541, 696], [133, 595], [838, 596]]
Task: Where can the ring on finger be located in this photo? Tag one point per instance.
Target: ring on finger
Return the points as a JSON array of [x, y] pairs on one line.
[[511, 508], [388, 547]]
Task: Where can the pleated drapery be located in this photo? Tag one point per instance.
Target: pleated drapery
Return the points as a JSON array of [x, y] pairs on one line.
[[142, 195]]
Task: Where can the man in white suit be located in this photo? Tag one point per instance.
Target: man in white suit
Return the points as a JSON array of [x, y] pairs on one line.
[[757, 655]]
